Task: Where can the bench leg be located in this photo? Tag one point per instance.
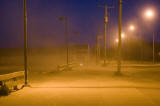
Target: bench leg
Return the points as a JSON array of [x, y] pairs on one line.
[[4, 90]]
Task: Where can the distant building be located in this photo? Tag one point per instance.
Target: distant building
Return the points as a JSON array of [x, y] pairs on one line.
[[80, 53]]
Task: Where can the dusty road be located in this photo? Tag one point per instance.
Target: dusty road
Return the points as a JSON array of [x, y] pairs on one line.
[[89, 87], [82, 97]]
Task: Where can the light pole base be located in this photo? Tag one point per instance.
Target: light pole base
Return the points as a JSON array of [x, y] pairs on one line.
[[118, 73], [26, 85], [104, 65]]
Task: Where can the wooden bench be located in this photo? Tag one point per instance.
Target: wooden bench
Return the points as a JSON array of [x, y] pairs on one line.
[[73, 65], [11, 81], [65, 67], [62, 67]]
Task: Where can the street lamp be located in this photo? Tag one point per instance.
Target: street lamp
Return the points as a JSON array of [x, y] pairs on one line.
[[25, 43], [116, 40], [131, 28], [119, 38], [122, 36], [67, 37], [149, 14]]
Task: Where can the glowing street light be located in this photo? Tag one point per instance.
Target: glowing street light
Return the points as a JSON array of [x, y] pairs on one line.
[[116, 40], [122, 35], [149, 14], [132, 28]]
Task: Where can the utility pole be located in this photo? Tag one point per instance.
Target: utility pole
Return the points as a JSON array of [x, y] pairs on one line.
[[105, 30], [153, 48], [66, 37], [98, 50], [25, 43], [120, 39]]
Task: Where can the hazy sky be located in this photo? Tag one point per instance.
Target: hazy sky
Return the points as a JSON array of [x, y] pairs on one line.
[[45, 30]]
